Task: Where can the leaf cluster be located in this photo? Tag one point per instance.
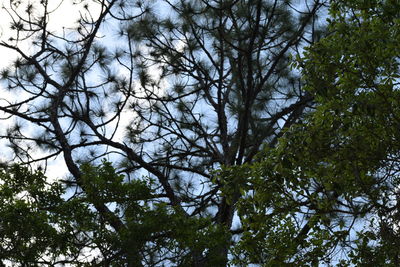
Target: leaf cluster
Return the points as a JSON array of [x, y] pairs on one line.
[[330, 186]]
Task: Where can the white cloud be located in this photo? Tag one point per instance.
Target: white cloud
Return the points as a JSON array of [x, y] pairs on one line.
[[63, 16]]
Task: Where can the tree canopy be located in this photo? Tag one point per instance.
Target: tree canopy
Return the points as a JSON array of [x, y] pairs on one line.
[[202, 133], [328, 192], [169, 92]]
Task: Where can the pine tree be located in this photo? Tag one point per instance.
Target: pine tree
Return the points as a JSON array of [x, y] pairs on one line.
[[194, 87]]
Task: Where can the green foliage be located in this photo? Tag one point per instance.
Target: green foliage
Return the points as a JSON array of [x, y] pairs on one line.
[[108, 186], [42, 223], [336, 172], [37, 224]]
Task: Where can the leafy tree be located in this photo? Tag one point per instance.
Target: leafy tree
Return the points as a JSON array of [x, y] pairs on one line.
[[328, 192], [43, 224], [169, 92]]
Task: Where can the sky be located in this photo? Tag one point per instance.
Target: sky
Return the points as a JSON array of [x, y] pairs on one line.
[[63, 15]]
